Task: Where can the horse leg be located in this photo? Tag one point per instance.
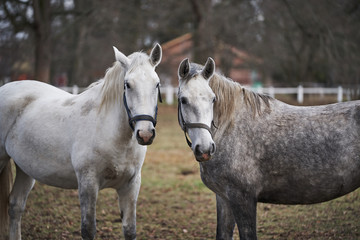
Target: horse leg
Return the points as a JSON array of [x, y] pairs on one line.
[[225, 219], [6, 181], [88, 192], [127, 204], [244, 210], [18, 196]]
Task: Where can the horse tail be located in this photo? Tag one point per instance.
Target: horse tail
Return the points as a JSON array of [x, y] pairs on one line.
[[6, 180]]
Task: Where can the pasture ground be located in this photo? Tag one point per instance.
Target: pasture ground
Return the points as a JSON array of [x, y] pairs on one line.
[[174, 203]]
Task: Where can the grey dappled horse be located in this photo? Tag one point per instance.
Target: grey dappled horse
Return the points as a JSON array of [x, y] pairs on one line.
[[89, 141], [266, 151]]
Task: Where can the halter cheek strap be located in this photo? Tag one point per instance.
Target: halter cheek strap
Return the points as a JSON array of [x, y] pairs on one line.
[[141, 117]]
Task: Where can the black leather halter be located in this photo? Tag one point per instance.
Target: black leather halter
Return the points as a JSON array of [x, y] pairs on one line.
[[185, 125], [141, 117]]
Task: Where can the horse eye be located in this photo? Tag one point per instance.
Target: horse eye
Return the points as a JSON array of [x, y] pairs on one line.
[[127, 85], [214, 99], [157, 85], [183, 100]]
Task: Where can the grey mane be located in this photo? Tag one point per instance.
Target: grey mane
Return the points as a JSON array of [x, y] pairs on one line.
[[231, 95]]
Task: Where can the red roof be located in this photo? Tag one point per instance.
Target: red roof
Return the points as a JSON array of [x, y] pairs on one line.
[[174, 51]]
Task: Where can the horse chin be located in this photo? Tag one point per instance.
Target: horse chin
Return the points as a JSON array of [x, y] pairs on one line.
[[142, 142], [203, 158]]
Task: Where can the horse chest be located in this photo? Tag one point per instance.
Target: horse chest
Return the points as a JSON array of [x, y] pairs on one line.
[[229, 171], [117, 172], [212, 177], [207, 178], [116, 176]]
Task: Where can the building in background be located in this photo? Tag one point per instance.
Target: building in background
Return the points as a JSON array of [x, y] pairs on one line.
[[230, 61]]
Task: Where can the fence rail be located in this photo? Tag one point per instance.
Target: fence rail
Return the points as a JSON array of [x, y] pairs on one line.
[[171, 92], [300, 91]]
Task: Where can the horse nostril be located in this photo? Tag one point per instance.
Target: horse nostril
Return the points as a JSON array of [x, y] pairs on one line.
[[213, 149], [153, 132], [137, 134], [197, 150]]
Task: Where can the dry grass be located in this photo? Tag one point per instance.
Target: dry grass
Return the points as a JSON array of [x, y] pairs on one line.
[[174, 203]]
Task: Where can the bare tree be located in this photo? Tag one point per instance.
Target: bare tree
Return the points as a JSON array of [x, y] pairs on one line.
[[294, 41], [203, 33], [19, 14], [42, 28]]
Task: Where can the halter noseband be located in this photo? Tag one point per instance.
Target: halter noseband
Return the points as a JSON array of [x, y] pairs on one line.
[[141, 117], [185, 126]]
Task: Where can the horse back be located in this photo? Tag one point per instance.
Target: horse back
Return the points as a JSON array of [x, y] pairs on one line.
[[310, 154], [16, 97]]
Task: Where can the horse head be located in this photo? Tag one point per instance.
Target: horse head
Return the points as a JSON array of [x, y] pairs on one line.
[[141, 92], [195, 107]]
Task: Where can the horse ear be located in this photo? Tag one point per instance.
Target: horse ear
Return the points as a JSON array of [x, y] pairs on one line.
[[184, 68], [119, 56], [155, 55], [209, 68]]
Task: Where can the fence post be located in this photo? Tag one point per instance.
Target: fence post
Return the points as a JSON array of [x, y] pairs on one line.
[[300, 94], [75, 89], [340, 94], [169, 95], [271, 91], [259, 89]]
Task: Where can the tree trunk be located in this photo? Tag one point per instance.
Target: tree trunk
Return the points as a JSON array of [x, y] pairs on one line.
[[42, 27], [80, 31], [202, 36], [78, 67]]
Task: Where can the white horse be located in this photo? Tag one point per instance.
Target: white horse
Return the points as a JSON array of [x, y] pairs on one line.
[[88, 141]]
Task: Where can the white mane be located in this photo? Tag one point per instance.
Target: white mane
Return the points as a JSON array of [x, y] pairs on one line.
[[113, 85]]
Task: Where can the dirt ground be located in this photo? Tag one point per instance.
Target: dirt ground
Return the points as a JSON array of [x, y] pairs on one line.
[[174, 203]]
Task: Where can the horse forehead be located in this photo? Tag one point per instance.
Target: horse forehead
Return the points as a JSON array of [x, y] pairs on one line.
[[198, 87], [143, 74], [139, 62]]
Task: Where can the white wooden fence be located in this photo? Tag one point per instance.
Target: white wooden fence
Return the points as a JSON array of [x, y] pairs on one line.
[[300, 91], [171, 92]]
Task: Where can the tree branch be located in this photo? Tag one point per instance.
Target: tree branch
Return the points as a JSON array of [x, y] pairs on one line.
[[18, 19]]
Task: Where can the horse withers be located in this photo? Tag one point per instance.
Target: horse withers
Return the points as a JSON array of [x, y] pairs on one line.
[[90, 141], [266, 151]]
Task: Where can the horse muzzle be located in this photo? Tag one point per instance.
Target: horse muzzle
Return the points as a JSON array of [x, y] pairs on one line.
[[203, 155], [145, 137]]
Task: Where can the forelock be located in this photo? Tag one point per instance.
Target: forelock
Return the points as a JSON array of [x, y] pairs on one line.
[[138, 59]]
